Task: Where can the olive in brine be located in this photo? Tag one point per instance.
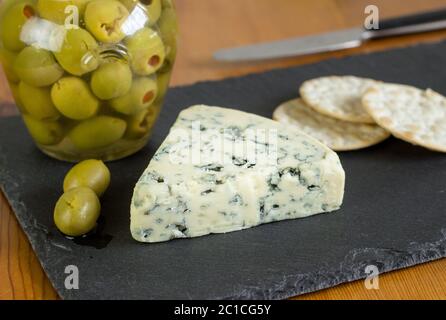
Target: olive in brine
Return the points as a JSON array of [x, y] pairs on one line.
[[130, 4], [97, 132], [11, 25], [37, 102], [153, 9], [140, 124], [163, 80], [15, 91], [141, 95], [78, 53], [146, 50], [77, 211], [37, 67], [54, 10], [105, 19], [73, 98], [111, 80], [93, 174], [169, 30], [7, 59], [44, 132], [166, 4]]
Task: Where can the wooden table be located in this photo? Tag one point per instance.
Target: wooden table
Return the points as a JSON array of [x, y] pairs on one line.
[[209, 25]]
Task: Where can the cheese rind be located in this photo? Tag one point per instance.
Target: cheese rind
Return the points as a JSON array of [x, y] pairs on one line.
[[221, 170]]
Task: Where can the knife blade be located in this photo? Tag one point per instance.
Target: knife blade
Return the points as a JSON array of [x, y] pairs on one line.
[[333, 41], [339, 40]]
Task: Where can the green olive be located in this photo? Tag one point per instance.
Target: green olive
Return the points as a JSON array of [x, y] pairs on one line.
[[73, 98], [141, 95], [163, 80], [7, 59], [93, 174], [44, 132], [11, 25], [37, 102], [37, 67], [140, 124], [111, 80], [77, 212], [78, 53], [130, 4], [15, 92], [169, 30], [97, 132], [146, 50], [54, 10], [167, 4], [105, 18], [153, 9]]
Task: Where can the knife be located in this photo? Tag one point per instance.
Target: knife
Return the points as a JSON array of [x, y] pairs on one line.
[[339, 40]]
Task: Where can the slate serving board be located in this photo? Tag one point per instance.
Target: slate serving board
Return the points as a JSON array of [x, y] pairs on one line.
[[394, 214]]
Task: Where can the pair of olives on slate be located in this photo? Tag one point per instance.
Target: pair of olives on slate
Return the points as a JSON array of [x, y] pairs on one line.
[[78, 209], [102, 90]]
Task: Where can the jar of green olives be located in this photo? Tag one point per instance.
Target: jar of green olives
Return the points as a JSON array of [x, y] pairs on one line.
[[89, 76]]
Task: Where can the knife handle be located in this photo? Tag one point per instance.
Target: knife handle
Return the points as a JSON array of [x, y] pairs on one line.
[[422, 22]]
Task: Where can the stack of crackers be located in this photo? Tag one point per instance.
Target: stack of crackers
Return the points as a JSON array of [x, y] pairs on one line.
[[351, 113]]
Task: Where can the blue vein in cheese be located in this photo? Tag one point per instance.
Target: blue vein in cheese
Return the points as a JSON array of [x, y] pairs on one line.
[[221, 170]]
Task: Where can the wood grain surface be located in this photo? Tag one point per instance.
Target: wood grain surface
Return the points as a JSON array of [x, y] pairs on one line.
[[207, 25]]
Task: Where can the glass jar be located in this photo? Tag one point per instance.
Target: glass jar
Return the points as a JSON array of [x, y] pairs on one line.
[[89, 76]]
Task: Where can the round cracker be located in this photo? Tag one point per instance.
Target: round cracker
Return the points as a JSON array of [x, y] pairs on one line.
[[336, 134], [338, 97], [411, 114]]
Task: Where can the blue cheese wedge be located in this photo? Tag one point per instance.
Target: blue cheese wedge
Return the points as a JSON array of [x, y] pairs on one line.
[[221, 170]]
